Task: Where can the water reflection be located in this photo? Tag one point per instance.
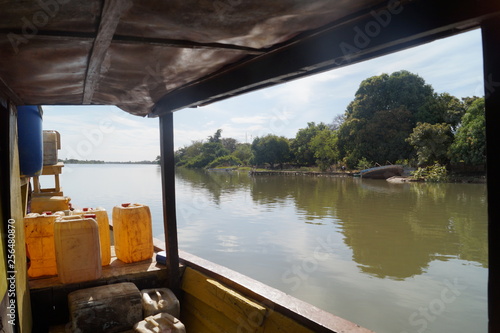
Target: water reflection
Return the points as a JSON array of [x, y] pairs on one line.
[[216, 183], [394, 230]]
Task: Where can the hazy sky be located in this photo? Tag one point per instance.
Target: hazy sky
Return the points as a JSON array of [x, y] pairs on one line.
[[452, 65]]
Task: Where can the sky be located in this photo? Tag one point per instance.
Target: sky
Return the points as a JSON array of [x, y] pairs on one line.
[[452, 65]]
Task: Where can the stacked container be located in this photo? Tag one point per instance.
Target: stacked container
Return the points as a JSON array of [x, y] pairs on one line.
[[41, 204], [39, 234], [133, 234], [51, 143], [104, 235], [77, 248]]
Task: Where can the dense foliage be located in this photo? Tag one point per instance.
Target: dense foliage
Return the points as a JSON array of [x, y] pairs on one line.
[[393, 118], [271, 149], [469, 146]]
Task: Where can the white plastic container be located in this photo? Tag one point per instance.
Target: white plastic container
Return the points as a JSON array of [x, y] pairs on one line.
[[51, 143], [159, 300], [132, 232], [39, 238], [77, 249], [162, 322], [104, 234]]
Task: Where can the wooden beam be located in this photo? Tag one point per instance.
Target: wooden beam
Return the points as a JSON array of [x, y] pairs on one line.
[[123, 39], [185, 44], [396, 27], [111, 13], [491, 66], [168, 190]]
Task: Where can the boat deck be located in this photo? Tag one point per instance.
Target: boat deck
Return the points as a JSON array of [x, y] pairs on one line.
[[49, 296]]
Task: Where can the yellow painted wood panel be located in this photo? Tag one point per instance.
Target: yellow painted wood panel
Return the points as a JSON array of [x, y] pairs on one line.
[[278, 323], [199, 314], [211, 306], [236, 306]]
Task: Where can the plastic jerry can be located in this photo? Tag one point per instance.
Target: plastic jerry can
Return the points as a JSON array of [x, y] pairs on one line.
[[39, 237], [51, 143], [159, 300], [77, 249], [49, 203], [162, 322], [132, 231], [109, 308], [104, 234]]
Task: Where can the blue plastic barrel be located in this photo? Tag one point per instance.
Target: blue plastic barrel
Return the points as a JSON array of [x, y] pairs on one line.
[[30, 140]]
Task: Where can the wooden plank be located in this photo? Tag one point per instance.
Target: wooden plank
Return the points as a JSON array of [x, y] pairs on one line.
[[223, 299], [411, 24], [168, 192], [278, 323], [115, 270], [303, 313], [185, 44], [491, 67], [111, 13], [200, 317]]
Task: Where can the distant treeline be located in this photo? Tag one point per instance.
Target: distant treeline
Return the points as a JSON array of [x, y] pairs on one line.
[[397, 119]]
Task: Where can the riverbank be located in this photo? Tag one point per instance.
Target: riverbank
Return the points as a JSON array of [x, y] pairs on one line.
[[470, 178], [298, 172]]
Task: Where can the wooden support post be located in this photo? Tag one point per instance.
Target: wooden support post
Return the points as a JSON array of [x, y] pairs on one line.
[[491, 54], [168, 189]]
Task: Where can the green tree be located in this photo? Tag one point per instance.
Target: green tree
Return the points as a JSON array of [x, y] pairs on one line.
[[271, 149], [441, 108], [349, 143], [381, 116], [200, 154], [243, 152], [324, 145], [186, 153], [431, 142], [383, 137], [389, 92], [216, 137], [469, 146], [301, 145], [229, 144]]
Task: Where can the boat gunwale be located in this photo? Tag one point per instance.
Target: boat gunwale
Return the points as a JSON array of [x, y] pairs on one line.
[[302, 312]]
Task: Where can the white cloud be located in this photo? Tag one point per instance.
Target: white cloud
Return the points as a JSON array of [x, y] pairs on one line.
[[250, 120]]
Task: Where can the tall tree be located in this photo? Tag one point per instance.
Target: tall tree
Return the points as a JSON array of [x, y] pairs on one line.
[[230, 144], [301, 145], [441, 108], [469, 146], [388, 92], [381, 116], [324, 145], [431, 142], [271, 149], [243, 152]]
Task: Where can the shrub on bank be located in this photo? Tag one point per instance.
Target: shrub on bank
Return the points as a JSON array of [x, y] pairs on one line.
[[436, 173]]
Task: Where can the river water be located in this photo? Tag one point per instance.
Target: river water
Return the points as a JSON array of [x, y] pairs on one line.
[[389, 257]]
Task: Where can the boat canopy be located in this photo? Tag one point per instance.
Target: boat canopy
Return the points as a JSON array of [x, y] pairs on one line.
[[153, 57]]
